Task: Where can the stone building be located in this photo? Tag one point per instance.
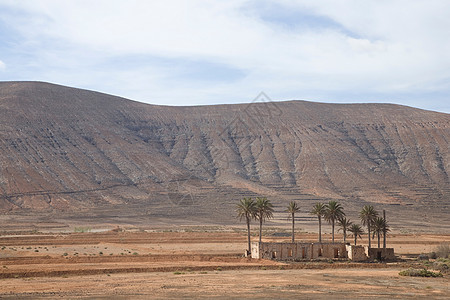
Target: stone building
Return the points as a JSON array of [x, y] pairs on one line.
[[298, 251], [293, 251]]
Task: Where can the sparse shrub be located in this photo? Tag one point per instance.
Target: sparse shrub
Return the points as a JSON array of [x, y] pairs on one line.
[[442, 265], [178, 273], [36, 250], [65, 254], [442, 251], [419, 273], [433, 255], [135, 253], [219, 269], [203, 272], [82, 229], [423, 257], [100, 253]]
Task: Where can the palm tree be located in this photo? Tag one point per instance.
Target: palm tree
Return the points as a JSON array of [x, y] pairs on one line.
[[292, 209], [379, 227], [247, 209], [264, 210], [356, 231], [368, 215], [319, 211], [344, 224], [333, 211]]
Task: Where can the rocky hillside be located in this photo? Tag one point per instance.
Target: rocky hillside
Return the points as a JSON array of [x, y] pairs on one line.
[[72, 150]]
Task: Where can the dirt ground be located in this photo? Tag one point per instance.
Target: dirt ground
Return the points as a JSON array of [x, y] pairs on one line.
[[199, 264]]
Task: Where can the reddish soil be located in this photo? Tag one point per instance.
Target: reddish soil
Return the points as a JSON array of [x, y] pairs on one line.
[[195, 265]]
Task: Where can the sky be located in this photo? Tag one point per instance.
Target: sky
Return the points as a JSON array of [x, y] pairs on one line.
[[198, 52]]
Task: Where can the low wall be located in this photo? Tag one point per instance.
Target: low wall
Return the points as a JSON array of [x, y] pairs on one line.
[[294, 251], [381, 253], [356, 253]]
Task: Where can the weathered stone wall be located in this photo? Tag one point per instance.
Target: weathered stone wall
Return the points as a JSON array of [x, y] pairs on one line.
[[291, 251], [356, 253], [380, 253]]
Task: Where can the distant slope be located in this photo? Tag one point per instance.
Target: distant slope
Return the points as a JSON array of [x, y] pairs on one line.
[[70, 149]]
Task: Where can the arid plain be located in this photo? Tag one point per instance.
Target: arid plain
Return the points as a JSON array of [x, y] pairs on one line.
[[200, 262]]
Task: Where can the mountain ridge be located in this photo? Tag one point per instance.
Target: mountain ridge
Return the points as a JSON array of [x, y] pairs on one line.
[[58, 140]]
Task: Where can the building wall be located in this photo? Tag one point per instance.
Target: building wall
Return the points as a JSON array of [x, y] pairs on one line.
[[380, 253], [356, 253], [291, 251]]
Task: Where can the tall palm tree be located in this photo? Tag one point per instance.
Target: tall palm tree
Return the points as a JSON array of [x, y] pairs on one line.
[[292, 209], [344, 224], [333, 211], [368, 215], [246, 208], [356, 231], [319, 211], [379, 227], [264, 210]]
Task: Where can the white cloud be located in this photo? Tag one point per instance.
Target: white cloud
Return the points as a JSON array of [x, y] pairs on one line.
[[2, 65], [380, 48]]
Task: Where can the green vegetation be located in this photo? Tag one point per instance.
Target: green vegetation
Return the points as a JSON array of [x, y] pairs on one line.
[[319, 211], [292, 209], [379, 227], [178, 273], [264, 210], [344, 225], [368, 215], [82, 229], [333, 211], [419, 273], [356, 231], [247, 209]]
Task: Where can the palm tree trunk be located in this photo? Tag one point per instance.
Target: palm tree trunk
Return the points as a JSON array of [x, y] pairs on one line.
[[378, 236], [355, 239], [260, 228], [368, 229], [332, 230], [345, 235], [293, 230], [248, 233], [320, 229]]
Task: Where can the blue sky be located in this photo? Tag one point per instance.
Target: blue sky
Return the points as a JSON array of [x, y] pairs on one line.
[[209, 52]]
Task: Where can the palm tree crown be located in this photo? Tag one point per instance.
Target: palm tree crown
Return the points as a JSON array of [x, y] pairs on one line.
[[368, 215], [263, 211], [333, 211], [246, 209], [379, 227], [344, 225], [319, 211], [356, 231], [292, 209]]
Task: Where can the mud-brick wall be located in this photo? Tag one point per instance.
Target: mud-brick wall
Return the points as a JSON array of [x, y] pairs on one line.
[[328, 250], [377, 253], [356, 253], [292, 251]]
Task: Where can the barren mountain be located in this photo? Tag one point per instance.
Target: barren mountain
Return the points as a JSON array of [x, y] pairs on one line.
[[66, 149]]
